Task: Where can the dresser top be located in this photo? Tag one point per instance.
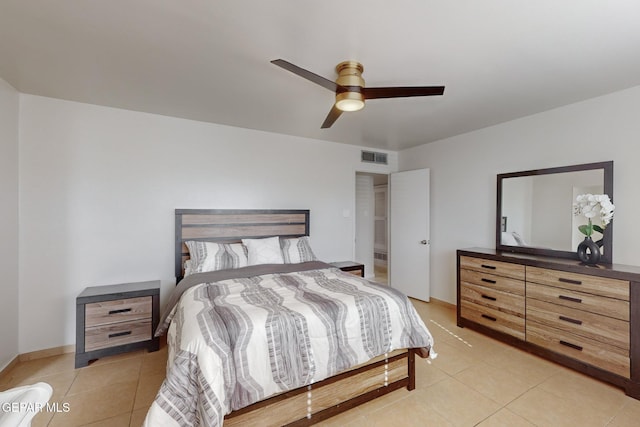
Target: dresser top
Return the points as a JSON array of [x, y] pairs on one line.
[[618, 271]]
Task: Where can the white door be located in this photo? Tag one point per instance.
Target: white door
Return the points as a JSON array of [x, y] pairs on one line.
[[409, 233]]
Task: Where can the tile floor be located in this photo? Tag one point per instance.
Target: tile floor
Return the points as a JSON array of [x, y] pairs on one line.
[[475, 381], [380, 273]]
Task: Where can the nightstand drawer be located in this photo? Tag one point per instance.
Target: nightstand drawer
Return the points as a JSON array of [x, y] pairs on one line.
[[114, 319], [359, 272], [117, 334], [351, 267], [107, 312]]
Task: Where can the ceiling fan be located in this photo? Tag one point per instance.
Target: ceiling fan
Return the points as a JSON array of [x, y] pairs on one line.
[[350, 90]]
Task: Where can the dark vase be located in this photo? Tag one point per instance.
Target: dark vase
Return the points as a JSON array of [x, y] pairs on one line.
[[589, 251]]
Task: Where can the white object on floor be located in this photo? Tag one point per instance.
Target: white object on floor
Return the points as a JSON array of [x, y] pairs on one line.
[[19, 405]]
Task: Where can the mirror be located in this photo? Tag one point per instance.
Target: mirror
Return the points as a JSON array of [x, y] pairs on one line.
[[535, 209]]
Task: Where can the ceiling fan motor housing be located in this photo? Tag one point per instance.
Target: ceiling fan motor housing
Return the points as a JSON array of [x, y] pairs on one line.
[[350, 76]]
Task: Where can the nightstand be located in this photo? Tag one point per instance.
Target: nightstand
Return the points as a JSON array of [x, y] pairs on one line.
[[350, 267], [116, 319]]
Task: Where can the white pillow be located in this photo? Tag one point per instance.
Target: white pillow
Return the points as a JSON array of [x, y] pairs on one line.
[[297, 250], [206, 256], [508, 239], [187, 268], [264, 251], [237, 255], [519, 239]]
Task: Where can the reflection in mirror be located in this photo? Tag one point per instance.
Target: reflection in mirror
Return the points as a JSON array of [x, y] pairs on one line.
[[539, 209], [535, 208]]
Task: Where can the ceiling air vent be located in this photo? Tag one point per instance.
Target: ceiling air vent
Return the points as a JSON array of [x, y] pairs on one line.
[[374, 157]]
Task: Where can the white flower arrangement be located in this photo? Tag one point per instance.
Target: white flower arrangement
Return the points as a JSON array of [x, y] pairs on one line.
[[590, 206]]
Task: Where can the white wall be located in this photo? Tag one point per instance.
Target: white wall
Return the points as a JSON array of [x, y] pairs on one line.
[[9, 101], [98, 189], [464, 169]]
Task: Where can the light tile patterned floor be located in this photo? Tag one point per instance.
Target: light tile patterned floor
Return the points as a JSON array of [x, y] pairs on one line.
[[380, 273], [475, 381]]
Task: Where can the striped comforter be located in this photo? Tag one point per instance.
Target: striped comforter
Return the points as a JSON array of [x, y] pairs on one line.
[[239, 336]]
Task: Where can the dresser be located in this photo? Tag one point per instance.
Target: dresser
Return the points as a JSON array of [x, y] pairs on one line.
[[115, 319], [586, 318]]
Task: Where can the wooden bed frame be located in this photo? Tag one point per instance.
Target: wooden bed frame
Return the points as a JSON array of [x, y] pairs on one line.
[[328, 397]]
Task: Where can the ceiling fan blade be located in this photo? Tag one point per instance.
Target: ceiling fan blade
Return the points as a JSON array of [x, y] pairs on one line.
[[401, 92], [332, 86], [331, 117]]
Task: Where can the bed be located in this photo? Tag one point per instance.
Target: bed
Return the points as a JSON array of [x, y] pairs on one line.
[[255, 341]]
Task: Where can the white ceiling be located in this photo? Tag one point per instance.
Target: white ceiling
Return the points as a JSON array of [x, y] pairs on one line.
[[209, 59]]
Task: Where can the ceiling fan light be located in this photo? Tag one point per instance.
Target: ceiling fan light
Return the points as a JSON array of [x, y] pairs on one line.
[[349, 101], [349, 105]]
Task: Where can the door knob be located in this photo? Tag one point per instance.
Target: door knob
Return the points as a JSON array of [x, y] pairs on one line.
[[423, 242]]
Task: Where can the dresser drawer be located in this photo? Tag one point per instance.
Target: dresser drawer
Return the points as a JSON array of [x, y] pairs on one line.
[[117, 334], [492, 298], [610, 307], [492, 281], [495, 319], [603, 356], [589, 325], [613, 288], [505, 269], [107, 312]]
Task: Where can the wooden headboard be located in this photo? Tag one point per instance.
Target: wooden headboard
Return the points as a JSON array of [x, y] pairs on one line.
[[233, 225]]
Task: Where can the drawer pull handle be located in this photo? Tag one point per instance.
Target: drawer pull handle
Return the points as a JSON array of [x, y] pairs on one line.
[[119, 334], [573, 282], [493, 319], [488, 280], [488, 297], [573, 346], [490, 267], [578, 300], [122, 310], [570, 320]]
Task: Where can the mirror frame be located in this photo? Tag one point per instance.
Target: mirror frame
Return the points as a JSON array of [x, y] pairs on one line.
[[607, 167]]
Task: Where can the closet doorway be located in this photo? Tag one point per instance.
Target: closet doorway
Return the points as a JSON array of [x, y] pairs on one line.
[[372, 229]]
